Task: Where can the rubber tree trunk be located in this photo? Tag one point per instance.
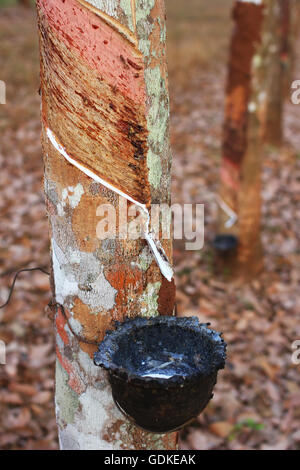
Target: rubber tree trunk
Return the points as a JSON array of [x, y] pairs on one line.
[[242, 153], [287, 52], [105, 107], [277, 60], [273, 90], [279, 39]]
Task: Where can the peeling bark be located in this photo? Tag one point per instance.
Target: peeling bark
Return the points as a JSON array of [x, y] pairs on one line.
[[105, 99]]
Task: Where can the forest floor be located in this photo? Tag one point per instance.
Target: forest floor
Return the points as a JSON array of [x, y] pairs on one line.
[[257, 399]]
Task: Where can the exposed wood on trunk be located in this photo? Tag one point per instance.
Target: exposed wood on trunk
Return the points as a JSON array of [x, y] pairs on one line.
[[105, 99]]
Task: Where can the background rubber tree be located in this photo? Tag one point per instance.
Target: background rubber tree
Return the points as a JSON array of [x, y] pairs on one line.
[[278, 55], [240, 186], [259, 69], [278, 60], [287, 50], [275, 58], [293, 35], [105, 113]]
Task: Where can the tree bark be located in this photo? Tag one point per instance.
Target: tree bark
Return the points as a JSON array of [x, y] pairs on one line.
[[286, 10], [242, 154], [294, 26], [279, 36], [105, 109], [277, 61], [273, 90]]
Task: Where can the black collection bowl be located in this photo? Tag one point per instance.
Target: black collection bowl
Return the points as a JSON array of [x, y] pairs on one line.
[[162, 370], [225, 243]]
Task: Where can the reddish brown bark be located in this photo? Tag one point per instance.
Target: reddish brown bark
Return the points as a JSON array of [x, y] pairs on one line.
[[247, 34]]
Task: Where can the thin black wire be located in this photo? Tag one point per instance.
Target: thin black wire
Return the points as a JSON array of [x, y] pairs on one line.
[[51, 304], [15, 279]]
